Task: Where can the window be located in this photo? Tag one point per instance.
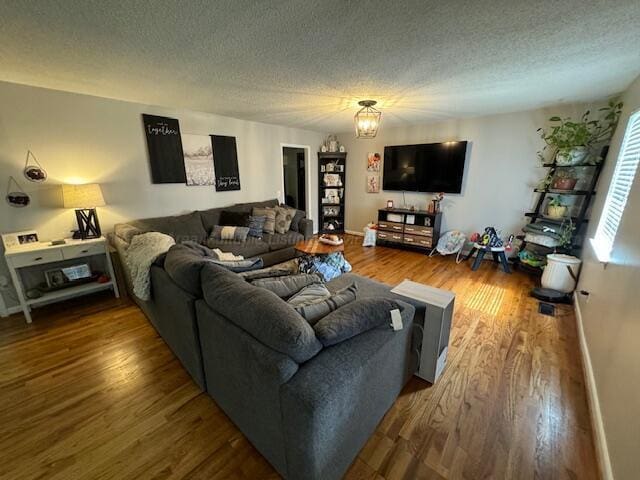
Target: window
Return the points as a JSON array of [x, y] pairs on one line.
[[618, 190]]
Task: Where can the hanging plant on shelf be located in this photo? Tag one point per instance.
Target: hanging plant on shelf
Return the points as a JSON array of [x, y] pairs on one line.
[[572, 142]]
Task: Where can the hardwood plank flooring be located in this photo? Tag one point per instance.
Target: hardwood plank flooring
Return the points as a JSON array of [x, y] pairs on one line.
[[89, 390]]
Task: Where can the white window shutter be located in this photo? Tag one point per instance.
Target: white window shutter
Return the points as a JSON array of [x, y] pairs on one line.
[[619, 189]]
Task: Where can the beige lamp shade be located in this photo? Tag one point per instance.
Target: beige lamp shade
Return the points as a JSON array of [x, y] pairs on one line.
[[82, 196]]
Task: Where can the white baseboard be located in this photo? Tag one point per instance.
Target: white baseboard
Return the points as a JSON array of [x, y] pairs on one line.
[[353, 232], [600, 439]]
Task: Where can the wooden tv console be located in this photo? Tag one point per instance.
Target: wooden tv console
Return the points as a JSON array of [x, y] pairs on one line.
[[408, 228]]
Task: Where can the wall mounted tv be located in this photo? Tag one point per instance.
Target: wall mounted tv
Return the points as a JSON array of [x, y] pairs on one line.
[[429, 167]]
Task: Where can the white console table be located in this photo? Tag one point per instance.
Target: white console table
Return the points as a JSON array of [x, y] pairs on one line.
[[24, 256], [436, 328]]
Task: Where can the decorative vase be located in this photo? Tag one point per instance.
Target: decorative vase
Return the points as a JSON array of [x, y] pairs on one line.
[[571, 156], [564, 183], [556, 211]]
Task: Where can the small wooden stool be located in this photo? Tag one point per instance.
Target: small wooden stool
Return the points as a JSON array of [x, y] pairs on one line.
[[497, 252]]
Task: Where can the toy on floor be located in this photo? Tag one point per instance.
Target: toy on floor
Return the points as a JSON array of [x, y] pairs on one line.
[[490, 241]]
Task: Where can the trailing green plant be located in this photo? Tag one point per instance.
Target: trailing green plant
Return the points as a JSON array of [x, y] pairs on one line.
[[565, 134], [545, 183], [566, 232]]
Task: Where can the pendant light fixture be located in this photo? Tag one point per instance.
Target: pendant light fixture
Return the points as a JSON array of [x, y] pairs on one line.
[[367, 120]]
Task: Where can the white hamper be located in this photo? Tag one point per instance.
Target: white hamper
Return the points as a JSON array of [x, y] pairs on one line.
[[556, 275]]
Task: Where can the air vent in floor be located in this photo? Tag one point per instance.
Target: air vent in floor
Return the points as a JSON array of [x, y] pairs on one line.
[[547, 309]]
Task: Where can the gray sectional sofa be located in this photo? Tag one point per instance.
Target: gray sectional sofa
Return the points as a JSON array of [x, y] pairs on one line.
[[307, 406], [171, 309]]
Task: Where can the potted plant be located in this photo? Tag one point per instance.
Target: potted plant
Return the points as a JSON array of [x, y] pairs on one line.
[[557, 208], [566, 233], [572, 141], [564, 179]]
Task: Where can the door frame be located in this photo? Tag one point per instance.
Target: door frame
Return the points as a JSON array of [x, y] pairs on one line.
[[307, 175]]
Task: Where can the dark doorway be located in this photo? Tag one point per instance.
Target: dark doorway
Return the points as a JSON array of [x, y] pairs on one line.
[[293, 161]]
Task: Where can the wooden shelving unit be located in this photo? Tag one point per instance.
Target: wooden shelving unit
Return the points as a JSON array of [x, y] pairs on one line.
[[332, 170], [578, 221]]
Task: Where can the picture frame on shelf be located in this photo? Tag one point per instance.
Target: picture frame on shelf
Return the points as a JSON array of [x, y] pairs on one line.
[[12, 240]]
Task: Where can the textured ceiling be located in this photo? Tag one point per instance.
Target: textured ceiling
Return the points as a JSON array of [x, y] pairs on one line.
[[306, 63]]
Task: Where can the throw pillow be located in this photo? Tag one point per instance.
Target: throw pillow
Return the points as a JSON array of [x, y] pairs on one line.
[[230, 218], [358, 317], [284, 216], [237, 234], [313, 312], [270, 221], [256, 225], [295, 221], [285, 287]]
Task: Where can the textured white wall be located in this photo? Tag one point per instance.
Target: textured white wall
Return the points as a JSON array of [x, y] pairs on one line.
[[611, 316], [79, 137], [500, 172]]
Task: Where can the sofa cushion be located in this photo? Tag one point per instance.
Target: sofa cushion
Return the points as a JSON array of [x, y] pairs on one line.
[[237, 234], [284, 216], [259, 312], [353, 319], [286, 286], [183, 265], [182, 228], [278, 241], [270, 218], [230, 218], [252, 247], [249, 206], [126, 231], [313, 312], [210, 218]]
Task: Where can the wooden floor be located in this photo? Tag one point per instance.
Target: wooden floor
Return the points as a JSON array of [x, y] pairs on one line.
[[90, 391]]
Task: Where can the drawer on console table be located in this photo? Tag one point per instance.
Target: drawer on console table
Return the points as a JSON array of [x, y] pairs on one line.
[[75, 251], [418, 240], [35, 258], [391, 226], [390, 237], [418, 230]]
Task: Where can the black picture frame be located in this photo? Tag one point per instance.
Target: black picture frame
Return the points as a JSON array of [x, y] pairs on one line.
[[165, 149], [225, 162]]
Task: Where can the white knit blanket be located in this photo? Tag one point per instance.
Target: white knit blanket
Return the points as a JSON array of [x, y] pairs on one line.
[[143, 250]]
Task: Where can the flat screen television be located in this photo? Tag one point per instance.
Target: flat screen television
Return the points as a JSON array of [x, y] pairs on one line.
[[428, 167]]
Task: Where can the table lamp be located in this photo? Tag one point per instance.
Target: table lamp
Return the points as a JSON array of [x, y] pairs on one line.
[[84, 198]]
